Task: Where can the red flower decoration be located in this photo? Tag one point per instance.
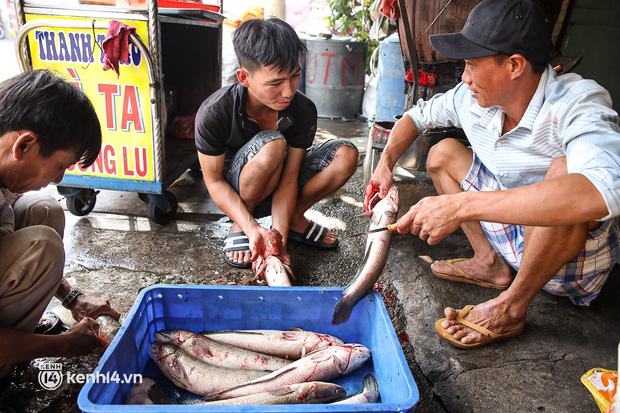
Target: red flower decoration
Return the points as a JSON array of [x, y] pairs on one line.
[[409, 76], [426, 79]]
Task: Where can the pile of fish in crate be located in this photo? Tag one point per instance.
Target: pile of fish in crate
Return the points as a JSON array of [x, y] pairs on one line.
[[254, 367]]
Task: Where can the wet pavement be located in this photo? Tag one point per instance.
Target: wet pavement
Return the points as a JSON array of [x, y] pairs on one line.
[[115, 252]]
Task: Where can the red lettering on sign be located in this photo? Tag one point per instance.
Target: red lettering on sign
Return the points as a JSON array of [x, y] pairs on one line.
[[109, 90], [109, 156], [126, 170], [141, 162], [308, 79], [131, 109], [329, 58], [104, 164], [355, 68]]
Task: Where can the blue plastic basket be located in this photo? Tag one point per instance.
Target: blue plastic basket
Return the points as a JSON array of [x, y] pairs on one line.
[[200, 308]]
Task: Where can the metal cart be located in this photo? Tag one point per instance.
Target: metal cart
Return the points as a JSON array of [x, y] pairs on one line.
[[174, 64]]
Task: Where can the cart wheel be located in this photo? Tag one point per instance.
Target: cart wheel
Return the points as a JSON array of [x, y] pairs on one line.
[[80, 207], [158, 215]]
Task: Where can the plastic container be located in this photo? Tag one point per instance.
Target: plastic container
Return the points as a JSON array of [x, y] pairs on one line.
[[335, 76], [391, 85], [201, 308]]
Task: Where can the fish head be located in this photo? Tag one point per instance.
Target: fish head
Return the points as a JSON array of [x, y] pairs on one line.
[[318, 391], [351, 357], [393, 196], [164, 354], [169, 336], [386, 210], [325, 341], [329, 391], [160, 351]]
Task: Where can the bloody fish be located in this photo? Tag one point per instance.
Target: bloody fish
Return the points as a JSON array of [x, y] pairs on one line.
[[269, 266], [313, 392], [291, 344], [382, 214], [219, 354], [322, 365], [194, 375]]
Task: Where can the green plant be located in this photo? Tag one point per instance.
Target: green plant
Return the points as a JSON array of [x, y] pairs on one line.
[[352, 18]]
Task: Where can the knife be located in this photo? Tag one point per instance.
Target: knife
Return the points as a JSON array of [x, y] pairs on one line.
[[390, 227]]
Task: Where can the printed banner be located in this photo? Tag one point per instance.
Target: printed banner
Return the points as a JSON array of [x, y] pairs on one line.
[[122, 104]]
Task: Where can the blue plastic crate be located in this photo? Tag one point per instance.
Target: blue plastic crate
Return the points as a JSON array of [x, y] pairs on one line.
[[200, 308]]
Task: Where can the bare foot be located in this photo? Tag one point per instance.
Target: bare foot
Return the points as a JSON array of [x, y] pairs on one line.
[[239, 257], [494, 315], [497, 272]]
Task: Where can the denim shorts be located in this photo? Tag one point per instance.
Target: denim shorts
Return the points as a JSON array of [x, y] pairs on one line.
[[316, 159], [582, 278]]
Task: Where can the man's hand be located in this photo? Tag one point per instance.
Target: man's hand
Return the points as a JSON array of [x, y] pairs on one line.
[[87, 306], [380, 182], [432, 218], [81, 338], [258, 238]]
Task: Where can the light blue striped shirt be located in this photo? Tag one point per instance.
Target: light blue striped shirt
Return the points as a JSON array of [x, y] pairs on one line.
[[568, 115]]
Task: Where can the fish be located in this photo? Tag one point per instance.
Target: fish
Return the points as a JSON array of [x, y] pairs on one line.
[[384, 213], [196, 376], [312, 392], [219, 354], [369, 394], [292, 344], [322, 365], [108, 327], [147, 392], [269, 265]]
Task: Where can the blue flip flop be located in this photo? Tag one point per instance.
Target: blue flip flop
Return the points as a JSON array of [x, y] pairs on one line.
[[236, 241], [313, 236]]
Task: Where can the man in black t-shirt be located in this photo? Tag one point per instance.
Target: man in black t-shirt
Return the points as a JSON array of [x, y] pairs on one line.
[[254, 141]]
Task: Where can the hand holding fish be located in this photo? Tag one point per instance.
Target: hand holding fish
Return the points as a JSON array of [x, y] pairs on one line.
[[432, 218], [379, 184], [81, 338], [88, 306], [272, 262]]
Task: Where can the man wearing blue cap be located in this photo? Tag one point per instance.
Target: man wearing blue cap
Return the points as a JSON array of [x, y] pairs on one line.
[[537, 193]]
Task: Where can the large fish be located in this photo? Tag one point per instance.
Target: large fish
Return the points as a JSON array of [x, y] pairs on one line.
[[313, 392], [220, 354], [292, 344], [322, 365], [196, 376], [108, 325], [369, 394], [269, 266], [378, 244]]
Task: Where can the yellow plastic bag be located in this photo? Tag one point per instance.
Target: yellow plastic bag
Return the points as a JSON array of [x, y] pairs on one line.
[[603, 385]]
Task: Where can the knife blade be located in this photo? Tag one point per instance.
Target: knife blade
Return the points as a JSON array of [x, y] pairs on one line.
[[390, 227]]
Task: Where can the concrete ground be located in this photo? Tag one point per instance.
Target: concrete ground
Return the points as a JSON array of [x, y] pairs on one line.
[[115, 251]]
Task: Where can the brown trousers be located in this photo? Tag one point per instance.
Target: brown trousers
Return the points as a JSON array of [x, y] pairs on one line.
[[32, 260]]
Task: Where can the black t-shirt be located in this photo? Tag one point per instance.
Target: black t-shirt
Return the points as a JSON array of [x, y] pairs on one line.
[[223, 125]]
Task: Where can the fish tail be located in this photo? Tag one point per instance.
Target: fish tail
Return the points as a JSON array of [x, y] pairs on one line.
[[371, 387]]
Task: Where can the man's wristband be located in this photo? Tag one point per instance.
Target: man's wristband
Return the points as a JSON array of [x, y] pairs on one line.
[[69, 298]]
